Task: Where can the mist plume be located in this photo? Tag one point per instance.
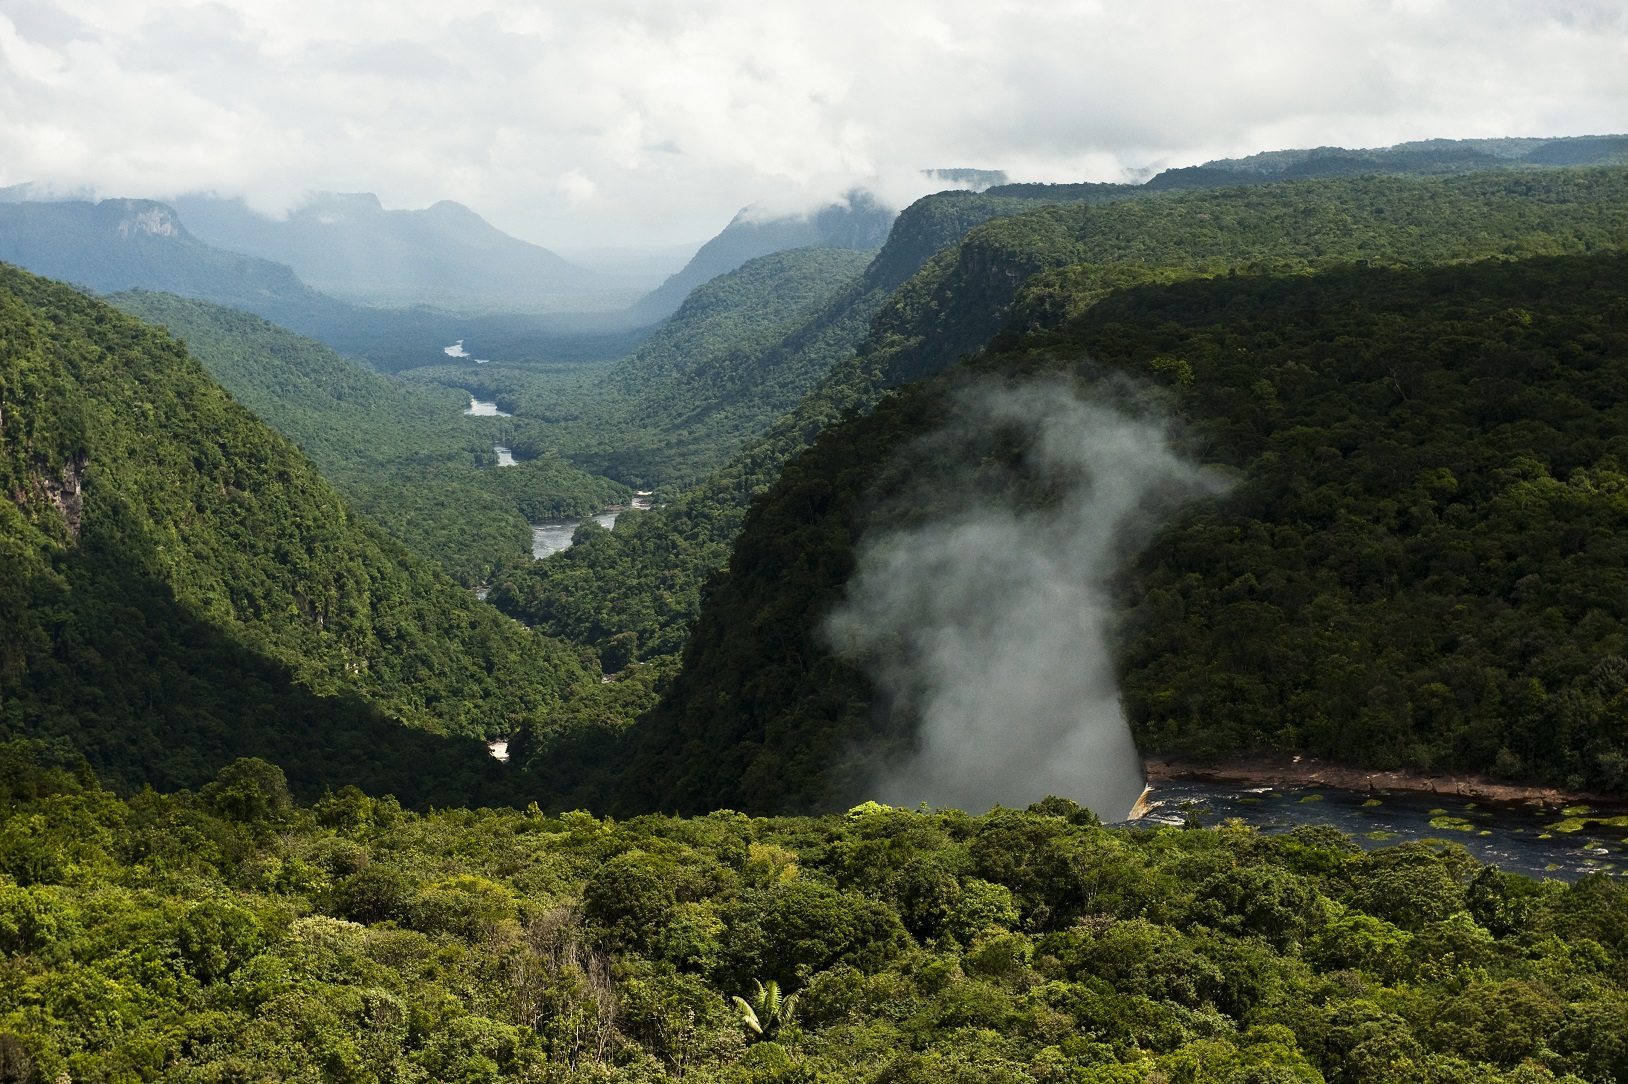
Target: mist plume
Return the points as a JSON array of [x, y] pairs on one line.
[[989, 619]]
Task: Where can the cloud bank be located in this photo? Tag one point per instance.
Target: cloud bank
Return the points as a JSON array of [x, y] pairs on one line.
[[990, 623], [644, 121]]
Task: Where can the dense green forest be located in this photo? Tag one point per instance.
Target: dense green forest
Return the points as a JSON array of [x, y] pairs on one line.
[[1049, 262], [232, 934], [1420, 564], [242, 769], [402, 452], [181, 586]]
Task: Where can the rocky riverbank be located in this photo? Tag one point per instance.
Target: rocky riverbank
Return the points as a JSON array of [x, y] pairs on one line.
[[1305, 771]]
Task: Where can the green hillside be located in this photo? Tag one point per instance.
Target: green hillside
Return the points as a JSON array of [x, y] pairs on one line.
[[181, 586], [1420, 158], [1050, 261], [402, 452], [1420, 565], [857, 223]]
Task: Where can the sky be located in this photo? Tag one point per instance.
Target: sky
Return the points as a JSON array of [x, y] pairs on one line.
[[576, 123]]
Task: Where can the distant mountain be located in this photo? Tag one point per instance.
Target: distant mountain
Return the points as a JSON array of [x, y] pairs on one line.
[[120, 244], [127, 244], [1428, 156], [180, 586], [859, 223], [348, 245]]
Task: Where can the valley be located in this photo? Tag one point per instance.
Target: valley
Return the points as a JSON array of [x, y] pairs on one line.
[[751, 675]]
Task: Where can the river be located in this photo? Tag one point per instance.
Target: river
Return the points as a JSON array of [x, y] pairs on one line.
[[481, 408], [1540, 842], [547, 538], [505, 458], [554, 536]]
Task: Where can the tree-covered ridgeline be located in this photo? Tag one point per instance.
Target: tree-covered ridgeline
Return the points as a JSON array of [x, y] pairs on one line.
[[1419, 565], [1426, 157], [1028, 271], [233, 934], [180, 585], [401, 452]]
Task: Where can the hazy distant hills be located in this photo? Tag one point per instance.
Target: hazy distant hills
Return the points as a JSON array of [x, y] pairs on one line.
[[126, 244], [859, 223], [120, 244], [349, 245]]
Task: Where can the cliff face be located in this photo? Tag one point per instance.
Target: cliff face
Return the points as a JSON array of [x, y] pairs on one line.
[[143, 217]]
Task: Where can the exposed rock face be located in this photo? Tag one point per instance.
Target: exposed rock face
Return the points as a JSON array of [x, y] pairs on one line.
[[66, 494], [154, 220]]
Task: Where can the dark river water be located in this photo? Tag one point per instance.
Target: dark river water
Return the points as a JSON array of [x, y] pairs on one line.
[[1563, 844]]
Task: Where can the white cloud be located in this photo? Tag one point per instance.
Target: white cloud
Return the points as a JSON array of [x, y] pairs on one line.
[[638, 120]]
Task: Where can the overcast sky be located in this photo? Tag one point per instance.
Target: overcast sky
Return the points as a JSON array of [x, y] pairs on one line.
[[580, 122]]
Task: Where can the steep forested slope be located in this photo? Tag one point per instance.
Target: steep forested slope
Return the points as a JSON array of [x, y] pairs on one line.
[[180, 585], [232, 935], [1051, 262], [402, 452], [1420, 564]]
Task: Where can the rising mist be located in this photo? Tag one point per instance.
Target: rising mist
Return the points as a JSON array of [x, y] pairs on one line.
[[990, 618]]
